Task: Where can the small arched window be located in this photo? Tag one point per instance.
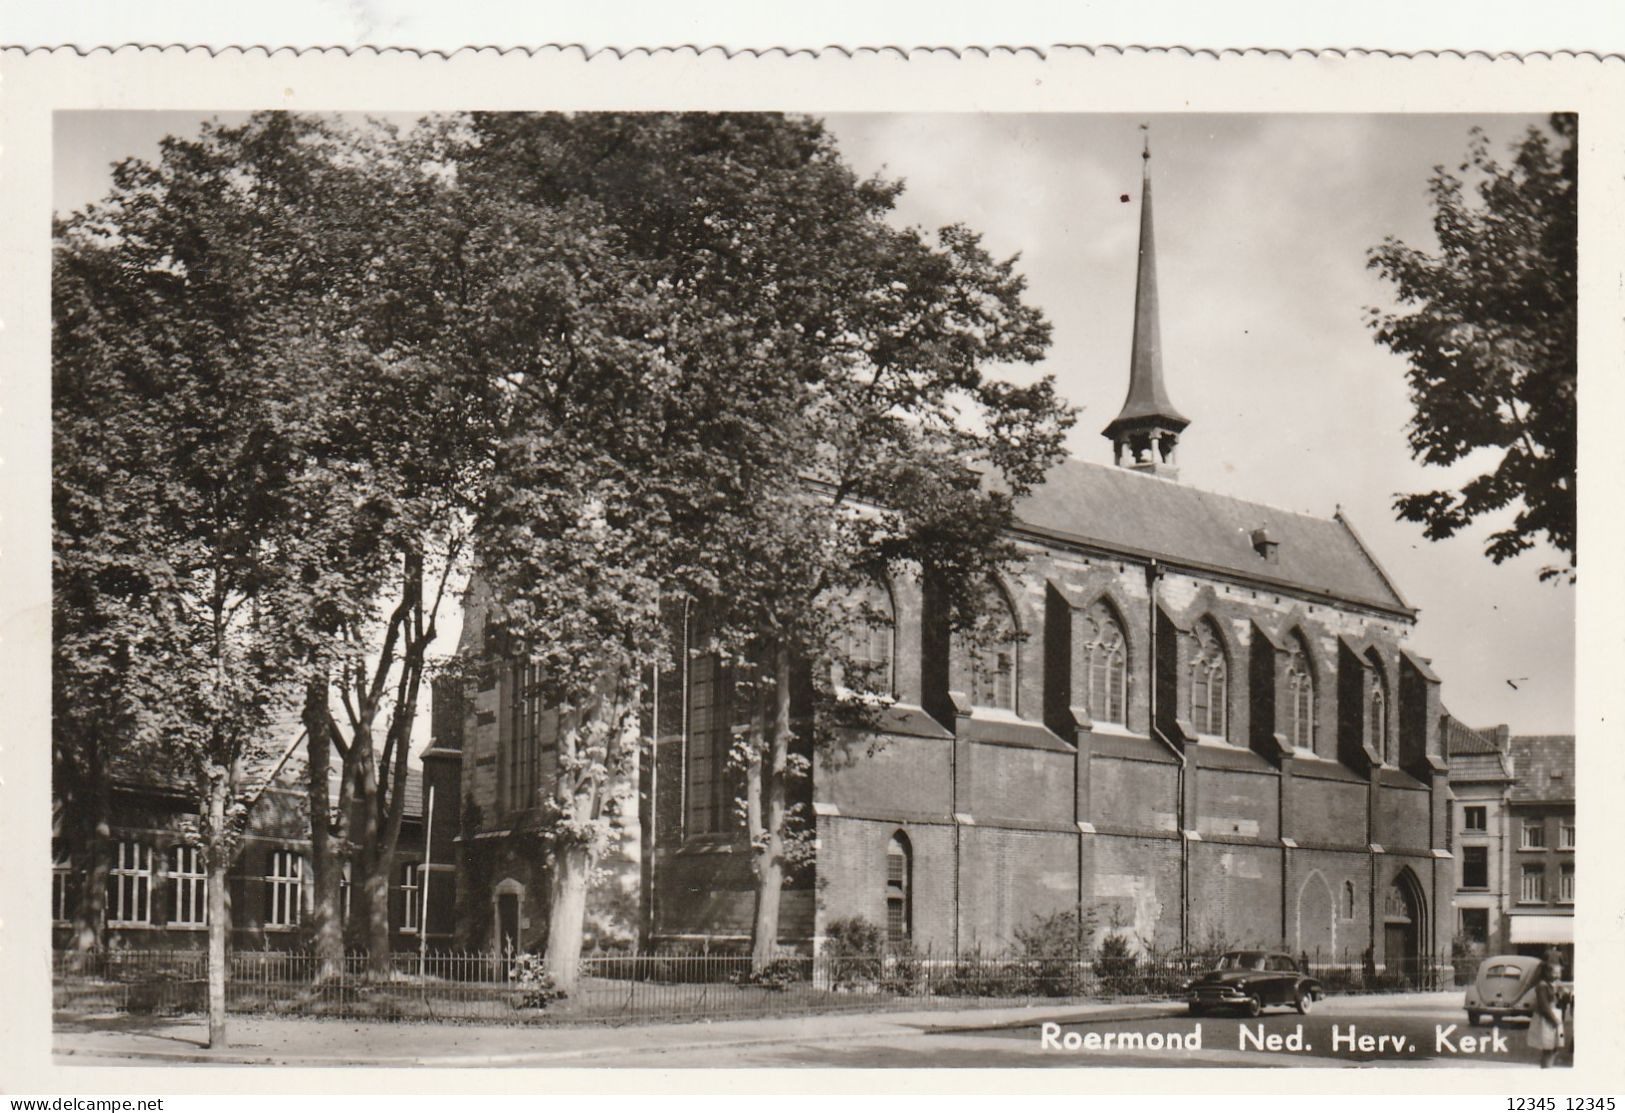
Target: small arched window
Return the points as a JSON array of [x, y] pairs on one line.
[[899, 888], [870, 641], [1105, 662], [1210, 685], [1301, 694], [1348, 900], [993, 669], [1382, 740]]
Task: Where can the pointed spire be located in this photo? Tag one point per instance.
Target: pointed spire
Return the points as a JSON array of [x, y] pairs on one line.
[[1148, 425]]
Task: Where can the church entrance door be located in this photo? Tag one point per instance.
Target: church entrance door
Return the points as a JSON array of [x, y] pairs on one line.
[[1402, 924]]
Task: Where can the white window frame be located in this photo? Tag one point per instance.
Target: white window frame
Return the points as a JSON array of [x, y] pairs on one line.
[[1530, 827], [411, 891], [344, 892], [285, 890], [1537, 875], [1565, 883], [188, 885], [130, 902], [1566, 834], [1466, 820]]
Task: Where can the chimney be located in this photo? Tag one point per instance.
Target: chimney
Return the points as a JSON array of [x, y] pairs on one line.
[[1265, 544]]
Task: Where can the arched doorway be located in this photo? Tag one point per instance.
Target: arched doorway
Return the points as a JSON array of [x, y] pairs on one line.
[[1403, 927], [507, 909]]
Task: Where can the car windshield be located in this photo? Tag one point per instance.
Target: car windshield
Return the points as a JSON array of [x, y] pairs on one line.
[[1242, 960]]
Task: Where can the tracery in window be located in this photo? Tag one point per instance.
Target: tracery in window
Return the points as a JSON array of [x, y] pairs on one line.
[[1105, 666], [1210, 684], [993, 668], [1300, 679]]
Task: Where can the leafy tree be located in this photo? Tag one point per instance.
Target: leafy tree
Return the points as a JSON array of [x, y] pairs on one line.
[[169, 394], [746, 389], [1487, 325]]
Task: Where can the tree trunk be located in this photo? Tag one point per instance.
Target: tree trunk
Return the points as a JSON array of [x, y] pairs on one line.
[[375, 888], [769, 843], [327, 914], [219, 908], [94, 857], [566, 912]]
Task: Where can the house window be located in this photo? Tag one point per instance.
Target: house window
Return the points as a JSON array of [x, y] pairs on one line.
[[1565, 834], [344, 892], [1475, 817], [1348, 900], [867, 648], [1300, 682], [899, 889], [1534, 834], [188, 887], [1475, 925], [1475, 867], [523, 742], [993, 667], [1105, 660], [130, 898], [1565, 883], [285, 889], [1210, 691], [409, 897], [1533, 884], [61, 871]]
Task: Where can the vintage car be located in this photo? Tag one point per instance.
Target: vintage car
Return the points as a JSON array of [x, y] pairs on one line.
[[1251, 981], [1505, 987]]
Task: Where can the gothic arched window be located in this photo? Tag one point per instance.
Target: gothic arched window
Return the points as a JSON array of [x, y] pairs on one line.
[[1300, 681], [899, 888], [1382, 740], [1348, 900], [870, 640], [1105, 665], [993, 669], [1210, 684]]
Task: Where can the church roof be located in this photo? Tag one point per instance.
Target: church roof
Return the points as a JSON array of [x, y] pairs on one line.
[[1123, 511]]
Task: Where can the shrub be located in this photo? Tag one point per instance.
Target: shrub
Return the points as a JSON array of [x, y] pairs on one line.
[[536, 987], [855, 947], [777, 974], [1055, 952], [1116, 964]]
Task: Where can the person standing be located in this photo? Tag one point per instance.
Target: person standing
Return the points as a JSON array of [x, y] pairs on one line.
[[1545, 1022]]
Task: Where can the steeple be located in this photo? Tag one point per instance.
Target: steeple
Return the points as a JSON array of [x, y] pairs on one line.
[[1147, 430]]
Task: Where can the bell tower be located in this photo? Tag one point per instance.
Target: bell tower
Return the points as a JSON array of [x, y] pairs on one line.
[[1146, 433]]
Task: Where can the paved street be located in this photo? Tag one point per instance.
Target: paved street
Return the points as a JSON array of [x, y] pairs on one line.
[[1358, 1031], [1408, 1031]]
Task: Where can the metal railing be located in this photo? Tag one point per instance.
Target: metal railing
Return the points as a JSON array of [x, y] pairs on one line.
[[489, 987]]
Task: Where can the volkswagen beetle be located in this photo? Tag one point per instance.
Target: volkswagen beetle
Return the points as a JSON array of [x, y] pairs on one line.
[[1504, 987], [1251, 981]]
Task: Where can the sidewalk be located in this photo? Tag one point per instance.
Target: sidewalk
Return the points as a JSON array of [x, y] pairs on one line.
[[303, 1042]]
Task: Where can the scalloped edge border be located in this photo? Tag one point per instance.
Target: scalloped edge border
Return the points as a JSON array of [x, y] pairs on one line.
[[897, 53]]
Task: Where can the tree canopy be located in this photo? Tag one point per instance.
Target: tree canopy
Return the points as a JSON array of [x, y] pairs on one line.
[[1487, 325]]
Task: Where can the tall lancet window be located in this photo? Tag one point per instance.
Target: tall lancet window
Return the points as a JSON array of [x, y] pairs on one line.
[[1382, 739], [1300, 681], [1105, 661], [1210, 686], [993, 667]]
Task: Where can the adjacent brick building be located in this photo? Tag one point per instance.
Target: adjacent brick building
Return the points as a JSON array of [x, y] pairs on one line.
[[1202, 724], [1540, 818], [1480, 780], [157, 889]]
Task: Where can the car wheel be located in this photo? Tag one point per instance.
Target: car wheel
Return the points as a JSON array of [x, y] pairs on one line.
[[1474, 1020], [1198, 1010], [1305, 1001], [1254, 1005]]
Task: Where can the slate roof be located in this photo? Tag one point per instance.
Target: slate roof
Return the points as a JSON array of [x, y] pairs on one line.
[[1542, 768], [1459, 738], [1125, 511]]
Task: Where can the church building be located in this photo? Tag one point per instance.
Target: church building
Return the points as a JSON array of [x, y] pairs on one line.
[[1201, 725]]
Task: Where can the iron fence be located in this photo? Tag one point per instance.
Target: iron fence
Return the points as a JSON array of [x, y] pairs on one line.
[[623, 988]]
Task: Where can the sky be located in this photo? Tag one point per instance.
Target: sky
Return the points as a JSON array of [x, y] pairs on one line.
[[1262, 228]]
